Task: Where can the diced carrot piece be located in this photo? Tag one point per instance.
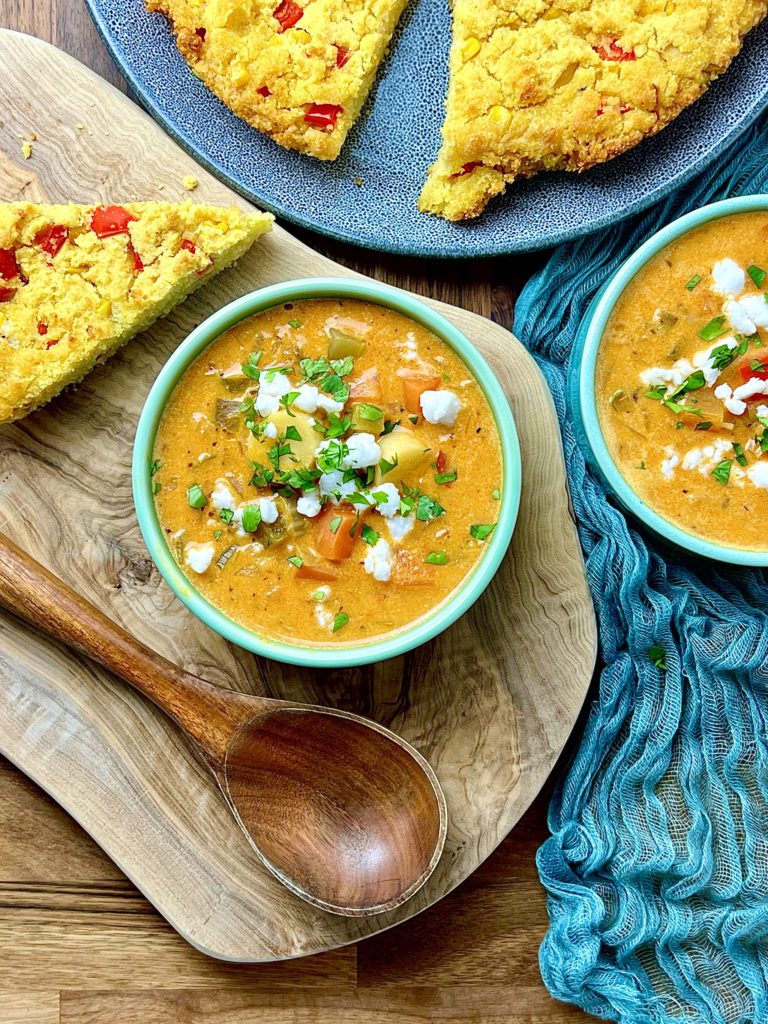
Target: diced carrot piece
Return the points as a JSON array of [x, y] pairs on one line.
[[414, 386], [367, 387], [334, 538], [316, 572], [407, 572]]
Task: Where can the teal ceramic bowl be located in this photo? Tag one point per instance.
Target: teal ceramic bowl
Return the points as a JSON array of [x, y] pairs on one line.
[[582, 385], [424, 628]]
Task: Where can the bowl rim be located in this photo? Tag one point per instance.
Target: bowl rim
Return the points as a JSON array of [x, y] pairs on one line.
[[429, 625], [592, 330]]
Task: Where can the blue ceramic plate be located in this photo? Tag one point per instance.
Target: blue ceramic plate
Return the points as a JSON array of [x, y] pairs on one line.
[[396, 139]]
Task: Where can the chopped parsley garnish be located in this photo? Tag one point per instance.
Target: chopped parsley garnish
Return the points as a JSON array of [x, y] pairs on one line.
[[336, 426], [226, 515], [154, 467], [251, 518], [757, 274], [340, 620], [251, 367], [370, 412], [196, 496], [657, 657], [157, 487], [758, 366], [296, 561], [446, 478], [334, 386], [713, 329], [692, 383], [693, 282], [413, 418], [276, 452], [437, 558], [723, 356], [358, 498], [332, 456], [292, 434], [217, 534], [386, 466], [496, 494], [428, 508], [262, 477], [389, 426], [704, 425], [318, 595], [481, 531], [287, 401], [722, 471], [369, 535], [295, 324], [334, 524], [617, 395], [738, 451]]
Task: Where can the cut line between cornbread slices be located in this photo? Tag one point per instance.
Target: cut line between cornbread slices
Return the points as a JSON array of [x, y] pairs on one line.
[[77, 282], [567, 84], [298, 71]]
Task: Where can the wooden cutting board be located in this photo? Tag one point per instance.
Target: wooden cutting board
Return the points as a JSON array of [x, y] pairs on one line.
[[490, 703]]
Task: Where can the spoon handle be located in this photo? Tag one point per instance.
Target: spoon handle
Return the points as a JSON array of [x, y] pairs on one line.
[[209, 714]]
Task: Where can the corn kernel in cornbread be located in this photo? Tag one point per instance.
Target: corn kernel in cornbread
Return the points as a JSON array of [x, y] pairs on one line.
[[77, 282], [566, 84], [298, 70]]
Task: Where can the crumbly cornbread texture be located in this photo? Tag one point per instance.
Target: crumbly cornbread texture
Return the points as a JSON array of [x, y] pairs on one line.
[[77, 282], [298, 70], [566, 84]]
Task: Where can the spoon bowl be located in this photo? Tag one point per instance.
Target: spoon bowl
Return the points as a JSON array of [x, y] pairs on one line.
[[343, 812]]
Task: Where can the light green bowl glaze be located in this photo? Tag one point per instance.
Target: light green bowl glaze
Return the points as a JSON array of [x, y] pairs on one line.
[[582, 383], [343, 654]]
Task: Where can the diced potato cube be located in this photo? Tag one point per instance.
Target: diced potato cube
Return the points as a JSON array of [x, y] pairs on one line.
[[361, 414], [302, 451], [404, 448]]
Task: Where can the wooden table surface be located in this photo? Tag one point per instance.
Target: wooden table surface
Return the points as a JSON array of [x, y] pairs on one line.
[[78, 944]]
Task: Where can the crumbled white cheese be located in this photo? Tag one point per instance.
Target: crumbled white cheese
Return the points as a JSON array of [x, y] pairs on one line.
[[739, 317], [399, 526], [309, 504], [702, 360], [705, 459], [758, 474], [273, 382], [378, 560], [270, 430], [754, 386], [333, 485], [323, 616], [409, 348], [728, 277], [762, 410], [268, 510], [307, 398], [733, 405], [756, 308], [265, 405], [222, 495], [321, 594], [671, 460], [199, 556], [656, 376], [440, 407], [388, 507], [329, 404], [363, 452]]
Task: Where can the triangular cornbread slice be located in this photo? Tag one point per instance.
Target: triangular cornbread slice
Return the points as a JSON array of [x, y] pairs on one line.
[[566, 84], [77, 282], [298, 70]]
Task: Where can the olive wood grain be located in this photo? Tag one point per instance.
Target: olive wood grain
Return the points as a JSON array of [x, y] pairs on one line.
[[490, 703]]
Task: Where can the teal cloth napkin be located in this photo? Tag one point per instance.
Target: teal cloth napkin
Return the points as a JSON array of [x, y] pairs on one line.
[[656, 871]]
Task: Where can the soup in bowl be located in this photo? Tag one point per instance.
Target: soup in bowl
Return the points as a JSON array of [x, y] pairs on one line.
[[327, 472], [673, 381]]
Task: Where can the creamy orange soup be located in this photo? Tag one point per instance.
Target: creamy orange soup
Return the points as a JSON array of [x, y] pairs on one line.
[[327, 471], [682, 382]]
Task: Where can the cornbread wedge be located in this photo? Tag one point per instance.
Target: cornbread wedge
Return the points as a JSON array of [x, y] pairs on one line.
[[566, 84], [298, 70], [77, 282]]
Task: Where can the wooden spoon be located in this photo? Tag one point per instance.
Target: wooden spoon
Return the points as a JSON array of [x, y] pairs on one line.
[[342, 811]]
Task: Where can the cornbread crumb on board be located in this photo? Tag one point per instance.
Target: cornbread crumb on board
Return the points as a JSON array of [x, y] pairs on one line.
[[77, 282], [566, 84], [298, 70], [190, 182]]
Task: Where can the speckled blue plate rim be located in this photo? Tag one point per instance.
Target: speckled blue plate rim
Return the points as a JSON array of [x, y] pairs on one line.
[[469, 245], [581, 383], [439, 618]]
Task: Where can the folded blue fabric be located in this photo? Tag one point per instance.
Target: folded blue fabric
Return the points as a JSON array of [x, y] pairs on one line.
[[657, 868]]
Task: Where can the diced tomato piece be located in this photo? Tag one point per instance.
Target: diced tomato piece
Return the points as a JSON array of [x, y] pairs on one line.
[[625, 108], [42, 328], [761, 373], [288, 13], [189, 245], [333, 537], [367, 387], [323, 115], [414, 386], [52, 238], [52, 342], [441, 462], [200, 33], [6, 294], [110, 220], [263, 90], [612, 51], [316, 572], [138, 265], [9, 268], [342, 56]]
